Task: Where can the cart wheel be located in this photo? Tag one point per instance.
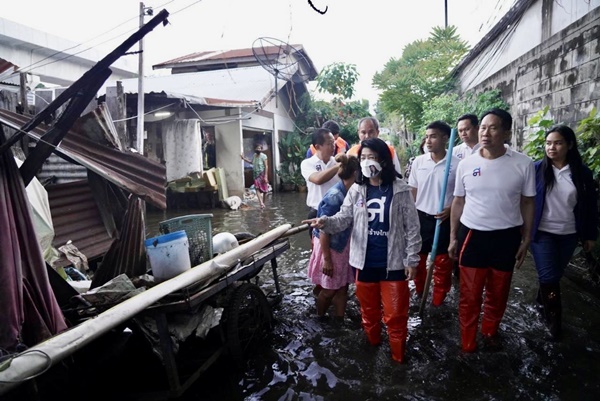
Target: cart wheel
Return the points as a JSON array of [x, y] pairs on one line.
[[248, 320]]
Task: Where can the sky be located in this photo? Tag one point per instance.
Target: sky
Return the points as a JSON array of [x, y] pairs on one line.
[[364, 33]]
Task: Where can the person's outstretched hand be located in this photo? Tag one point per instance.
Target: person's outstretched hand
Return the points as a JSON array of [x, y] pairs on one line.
[[314, 223]]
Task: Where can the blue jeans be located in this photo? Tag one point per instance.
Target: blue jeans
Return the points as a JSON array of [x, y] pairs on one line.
[[552, 253]]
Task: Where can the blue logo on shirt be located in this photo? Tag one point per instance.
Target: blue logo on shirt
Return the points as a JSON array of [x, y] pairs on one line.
[[477, 172]]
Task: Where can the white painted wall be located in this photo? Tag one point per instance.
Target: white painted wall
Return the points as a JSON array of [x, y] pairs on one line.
[[509, 46], [564, 13], [526, 36], [25, 47]]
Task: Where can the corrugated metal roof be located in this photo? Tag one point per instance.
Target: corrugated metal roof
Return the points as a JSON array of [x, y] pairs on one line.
[[76, 217], [133, 172], [223, 55], [235, 87]]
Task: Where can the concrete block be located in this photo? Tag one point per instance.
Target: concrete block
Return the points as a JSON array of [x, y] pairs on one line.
[[561, 98]]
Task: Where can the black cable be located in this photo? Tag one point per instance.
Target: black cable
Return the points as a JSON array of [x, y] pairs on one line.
[[31, 67]]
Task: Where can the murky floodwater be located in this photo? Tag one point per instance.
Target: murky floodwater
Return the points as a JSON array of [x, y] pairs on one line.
[[311, 359]]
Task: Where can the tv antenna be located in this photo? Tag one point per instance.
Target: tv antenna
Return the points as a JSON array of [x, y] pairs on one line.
[[282, 60]]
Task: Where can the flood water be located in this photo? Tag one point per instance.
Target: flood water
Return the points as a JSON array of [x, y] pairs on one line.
[[306, 358]]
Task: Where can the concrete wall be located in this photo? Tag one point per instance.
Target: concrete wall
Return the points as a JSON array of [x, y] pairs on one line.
[[561, 72]]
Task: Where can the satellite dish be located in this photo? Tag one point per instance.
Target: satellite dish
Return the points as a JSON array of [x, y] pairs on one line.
[[282, 60]]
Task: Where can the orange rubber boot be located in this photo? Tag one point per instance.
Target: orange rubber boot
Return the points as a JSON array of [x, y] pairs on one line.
[[421, 275], [496, 296], [442, 278], [472, 281], [369, 297], [395, 295]]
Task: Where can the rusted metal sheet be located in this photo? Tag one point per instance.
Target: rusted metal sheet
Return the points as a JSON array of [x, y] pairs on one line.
[[127, 254], [99, 126], [134, 173], [7, 69], [76, 217]]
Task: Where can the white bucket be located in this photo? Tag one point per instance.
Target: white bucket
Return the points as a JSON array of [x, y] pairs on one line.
[[168, 255]]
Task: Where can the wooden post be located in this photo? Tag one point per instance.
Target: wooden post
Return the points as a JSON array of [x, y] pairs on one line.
[[25, 107]]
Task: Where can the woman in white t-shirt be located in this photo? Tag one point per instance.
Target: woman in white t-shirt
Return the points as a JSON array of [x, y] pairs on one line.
[[565, 212]]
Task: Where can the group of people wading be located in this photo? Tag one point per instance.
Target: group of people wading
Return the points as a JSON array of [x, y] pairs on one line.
[[375, 229]]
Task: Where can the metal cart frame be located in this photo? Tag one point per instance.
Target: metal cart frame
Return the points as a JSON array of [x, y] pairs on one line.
[[190, 299]]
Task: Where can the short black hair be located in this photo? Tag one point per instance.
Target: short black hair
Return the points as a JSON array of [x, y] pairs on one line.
[[318, 137], [332, 126], [440, 126], [503, 115], [471, 117]]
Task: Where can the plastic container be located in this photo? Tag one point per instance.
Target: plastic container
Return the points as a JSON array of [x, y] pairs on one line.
[[199, 231], [168, 255]]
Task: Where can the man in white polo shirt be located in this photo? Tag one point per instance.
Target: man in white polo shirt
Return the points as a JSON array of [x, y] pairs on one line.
[[467, 126], [490, 226], [319, 170], [368, 127], [426, 180]]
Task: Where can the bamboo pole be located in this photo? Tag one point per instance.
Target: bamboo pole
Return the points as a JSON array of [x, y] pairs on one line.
[[432, 254]]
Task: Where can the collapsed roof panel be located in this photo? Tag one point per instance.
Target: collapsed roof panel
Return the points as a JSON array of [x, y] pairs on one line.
[[130, 171]]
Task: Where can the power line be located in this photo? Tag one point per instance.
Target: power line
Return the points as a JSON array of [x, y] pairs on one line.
[[34, 66]]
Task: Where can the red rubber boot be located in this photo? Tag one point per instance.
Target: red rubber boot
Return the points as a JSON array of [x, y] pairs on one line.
[[369, 297], [395, 295], [442, 278], [421, 275], [496, 296], [472, 281]]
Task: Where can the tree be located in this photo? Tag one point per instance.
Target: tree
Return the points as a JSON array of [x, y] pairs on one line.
[[420, 74], [448, 106], [338, 79], [346, 114]]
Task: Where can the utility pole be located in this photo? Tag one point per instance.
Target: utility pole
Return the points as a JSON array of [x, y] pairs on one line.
[[140, 108], [446, 13]]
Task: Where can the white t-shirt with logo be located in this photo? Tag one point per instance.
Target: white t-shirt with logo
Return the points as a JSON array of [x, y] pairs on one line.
[[316, 192], [493, 189], [428, 177], [463, 150]]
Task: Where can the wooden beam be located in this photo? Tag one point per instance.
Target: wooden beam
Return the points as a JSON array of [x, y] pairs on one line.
[[91, 74]]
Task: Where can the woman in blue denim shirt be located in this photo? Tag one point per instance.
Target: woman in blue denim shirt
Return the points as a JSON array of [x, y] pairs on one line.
[[566, 210], [329, 268]]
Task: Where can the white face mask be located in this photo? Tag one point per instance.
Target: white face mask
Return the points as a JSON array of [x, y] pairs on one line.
[[370, 168]]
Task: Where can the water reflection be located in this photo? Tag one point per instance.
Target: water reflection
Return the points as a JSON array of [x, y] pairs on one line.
[[314, 359]]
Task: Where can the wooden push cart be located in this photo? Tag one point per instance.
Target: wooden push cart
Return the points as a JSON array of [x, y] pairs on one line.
[[246, 319]]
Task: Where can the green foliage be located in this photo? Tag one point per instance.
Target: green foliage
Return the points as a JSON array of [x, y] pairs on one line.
[[292, 150], [481, 102], [448, 107], [536, 134], [589, 137], [338, 79], [422, 73], [346, 114]]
